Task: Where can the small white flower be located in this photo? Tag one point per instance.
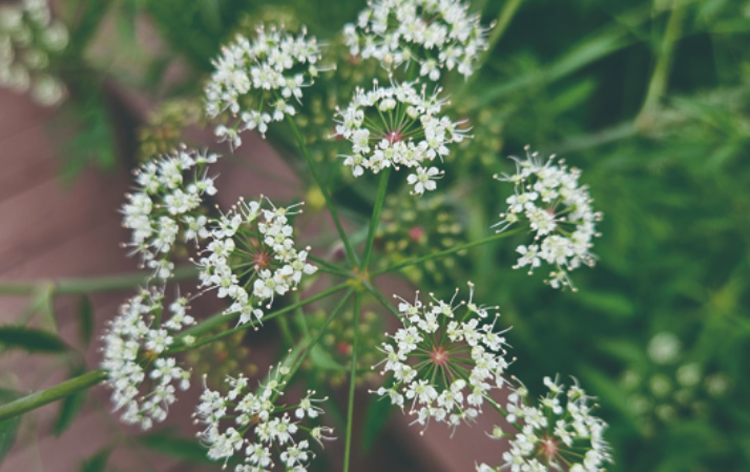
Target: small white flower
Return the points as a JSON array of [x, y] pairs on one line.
[[397, 126], [257, 80], [437, 34], [559, 213], [467, 361]]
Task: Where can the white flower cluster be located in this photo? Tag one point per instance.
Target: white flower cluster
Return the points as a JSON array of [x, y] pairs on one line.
[[552, 436], [397, 126], [274, 429], [559, 213], [443, 366], [436, 34], [132, 342], [252, 258], [164, 210], [257, 80], [28, 37]]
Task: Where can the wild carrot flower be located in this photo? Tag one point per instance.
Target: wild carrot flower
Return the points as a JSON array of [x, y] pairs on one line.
[[164, 209], [558, 434], [398, 126], [265, 431], [260, 80], [558, 211], [431, 34], [251, 257], [443, 366], [134, 340]]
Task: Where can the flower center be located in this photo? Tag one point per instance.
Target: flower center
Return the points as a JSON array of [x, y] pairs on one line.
[[548, 448], [261, 259], [394, 137], [439, 356]]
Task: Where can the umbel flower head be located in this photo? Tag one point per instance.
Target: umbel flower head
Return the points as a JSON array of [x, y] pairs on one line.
[[251, 257], [398, 126], [558, 210], [165, 208], [260, 427], [444, 365], [30, 42], [435, 34], [558, 434], [132, 345], [259, 80]]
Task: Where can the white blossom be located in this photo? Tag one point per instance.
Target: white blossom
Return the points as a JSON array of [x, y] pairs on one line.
[[131, 341], [558, 211], [552, 437], [398, 126], [437, 34], [456, 361], [259, 80], [252, 258], [164, 208]]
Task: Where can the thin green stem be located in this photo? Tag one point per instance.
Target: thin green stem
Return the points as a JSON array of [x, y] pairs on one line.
[[326, 266], [220, 318], [92, 284], [658, 84], [375, 221], [352, 382], [318, 180], [439, 254], [383, 301], [59, 391]]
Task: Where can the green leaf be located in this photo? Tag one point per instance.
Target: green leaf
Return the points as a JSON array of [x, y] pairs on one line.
[[30, 339], [167, 441], [376, 417], [86, 314], [323, 360], [8, 428], [71, 406], [97, 462]]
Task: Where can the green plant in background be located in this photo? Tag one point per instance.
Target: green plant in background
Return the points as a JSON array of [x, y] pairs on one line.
[[651, 99]]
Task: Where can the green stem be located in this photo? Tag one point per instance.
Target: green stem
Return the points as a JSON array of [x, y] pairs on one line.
[[220, 318], [352, 383], [377, 209], [92, 284], [318, 180], [59, 391], [383, 301], [658, 84], [437, 255], [327, 267]]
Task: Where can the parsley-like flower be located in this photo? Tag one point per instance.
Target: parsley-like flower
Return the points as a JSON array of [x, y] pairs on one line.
[[443, 365], [558, 434], [558, 210], [398, 126], [260, 80], [435, 34]]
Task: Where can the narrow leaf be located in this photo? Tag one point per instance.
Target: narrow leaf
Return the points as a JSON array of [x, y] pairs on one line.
[[71, 406], [97, 462], [9, 427], [30, 339]]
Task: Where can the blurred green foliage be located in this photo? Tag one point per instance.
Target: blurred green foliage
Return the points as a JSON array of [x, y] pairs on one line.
[[652, 101]]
